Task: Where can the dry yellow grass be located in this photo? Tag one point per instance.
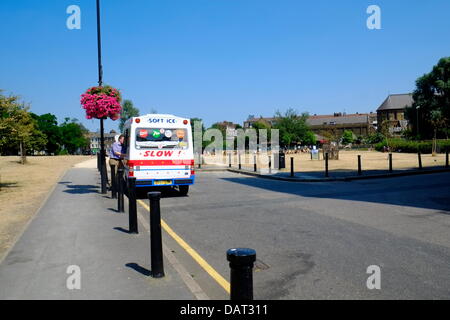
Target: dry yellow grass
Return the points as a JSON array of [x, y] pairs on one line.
[[23, 190]]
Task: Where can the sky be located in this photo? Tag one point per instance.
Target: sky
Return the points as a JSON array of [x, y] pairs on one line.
[[220, 59]]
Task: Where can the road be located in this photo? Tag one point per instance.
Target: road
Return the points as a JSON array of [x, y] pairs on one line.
[[316, 240]]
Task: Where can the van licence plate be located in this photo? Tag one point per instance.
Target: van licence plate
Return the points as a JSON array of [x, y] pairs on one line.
[[163, 182]]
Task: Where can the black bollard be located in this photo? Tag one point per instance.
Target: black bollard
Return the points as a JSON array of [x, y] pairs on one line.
[[199, 161], [120, 187], [156, 251], [419, 156], [241, 265], [132, 208], [98, 161], [359, 165], [254, 164], [390, 162], [292, 166], [326, 164], [229, 160], [446, 159], [103, 175], [270, 164], [113, 182], [239, 161]]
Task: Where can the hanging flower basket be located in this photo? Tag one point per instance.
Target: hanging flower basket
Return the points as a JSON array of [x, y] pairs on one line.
[[102, 103]]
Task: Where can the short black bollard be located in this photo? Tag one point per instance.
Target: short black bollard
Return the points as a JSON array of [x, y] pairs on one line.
[[120, 187], [390, 162], [270, 164], [113, 182], [359, 165], [419, 156], [239, 161], [254, 164], [326, 164], [156, 251], [292, 166], [241, 265], [132, 208], [229, 160]]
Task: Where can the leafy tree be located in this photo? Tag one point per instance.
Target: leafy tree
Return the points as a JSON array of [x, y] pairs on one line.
[[432, 93], [293, 128], [73, 135], [347, 137], [18, 130], [48, 124], [374, 138], [128, 111]]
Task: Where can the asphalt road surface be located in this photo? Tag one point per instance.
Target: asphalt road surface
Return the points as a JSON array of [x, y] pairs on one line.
[[316, 240]]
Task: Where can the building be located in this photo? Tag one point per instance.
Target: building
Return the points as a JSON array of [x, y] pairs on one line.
[[94, 138], [360, 124], [230, 128], [392, 110]]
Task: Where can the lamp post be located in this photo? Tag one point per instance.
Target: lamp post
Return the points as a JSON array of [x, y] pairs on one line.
[[100, 83]]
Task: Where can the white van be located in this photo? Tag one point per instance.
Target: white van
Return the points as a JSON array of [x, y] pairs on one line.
[[159, 151]]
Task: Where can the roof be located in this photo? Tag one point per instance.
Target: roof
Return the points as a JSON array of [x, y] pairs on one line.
[[397, 102], [341, 119]]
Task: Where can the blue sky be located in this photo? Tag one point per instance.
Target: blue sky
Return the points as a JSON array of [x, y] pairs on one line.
[[220, 59]]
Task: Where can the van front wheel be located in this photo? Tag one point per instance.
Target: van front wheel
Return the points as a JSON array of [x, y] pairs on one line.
[[184, 190]]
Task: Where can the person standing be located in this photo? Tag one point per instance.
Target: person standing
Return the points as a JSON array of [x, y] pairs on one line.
[[115, 154]]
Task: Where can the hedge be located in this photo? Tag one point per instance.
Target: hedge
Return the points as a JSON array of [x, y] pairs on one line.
[[407, 146]]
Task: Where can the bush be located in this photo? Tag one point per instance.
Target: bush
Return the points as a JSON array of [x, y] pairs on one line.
[[407, 146], [63, 152]]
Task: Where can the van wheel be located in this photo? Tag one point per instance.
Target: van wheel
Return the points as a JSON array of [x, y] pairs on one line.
[[184, 190]]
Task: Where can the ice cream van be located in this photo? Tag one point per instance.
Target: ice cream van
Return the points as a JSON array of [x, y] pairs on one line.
[[159, 151]]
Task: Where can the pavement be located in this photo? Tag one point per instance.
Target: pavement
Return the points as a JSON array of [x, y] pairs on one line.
[[78, 226]]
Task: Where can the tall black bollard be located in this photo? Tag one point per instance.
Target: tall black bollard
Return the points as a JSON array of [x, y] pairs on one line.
[[113, 182], [120, 187], [132, 208], [239, 161], [419, 156], [292, 166], [326, 164], [156, 251], [241, 265], [390, 162], [254, 164], [359, 165]]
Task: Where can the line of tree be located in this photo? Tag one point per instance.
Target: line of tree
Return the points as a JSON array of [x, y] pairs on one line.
[[23, 132]]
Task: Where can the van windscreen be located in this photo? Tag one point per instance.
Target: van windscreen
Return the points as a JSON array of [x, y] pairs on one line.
[[161, 138]]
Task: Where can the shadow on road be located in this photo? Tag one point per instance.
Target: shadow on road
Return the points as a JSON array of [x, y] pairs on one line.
[[430, 192], [139, 269], [81, 189]]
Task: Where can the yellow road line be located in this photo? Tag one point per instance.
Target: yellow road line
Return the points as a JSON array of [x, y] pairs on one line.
[[205, 265]]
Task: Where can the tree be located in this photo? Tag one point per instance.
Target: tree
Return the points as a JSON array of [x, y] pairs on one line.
[[347, 137], [293, 128], [73, 135], [18, 130], [128, 111], [432, 93], [48, 124]]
